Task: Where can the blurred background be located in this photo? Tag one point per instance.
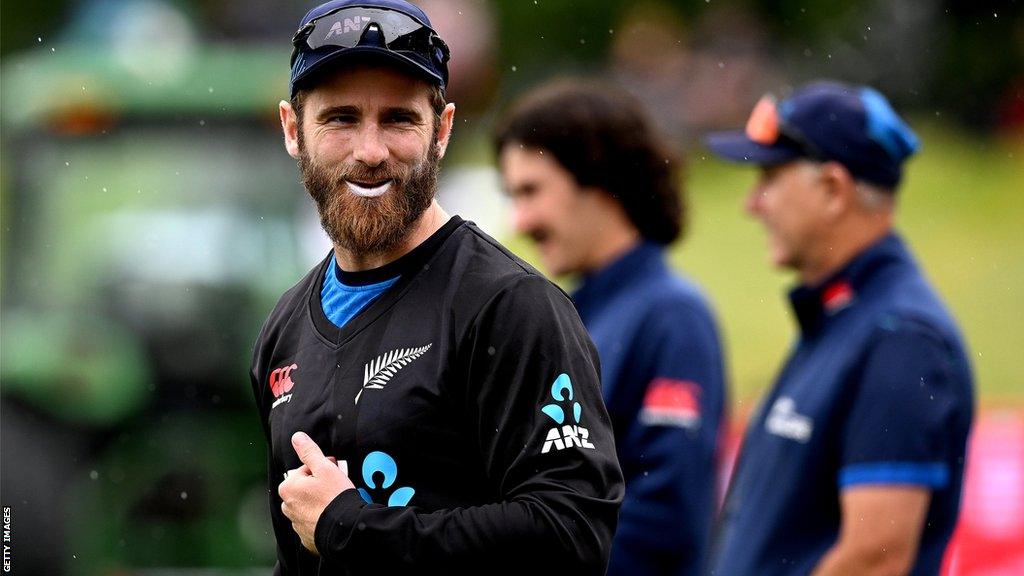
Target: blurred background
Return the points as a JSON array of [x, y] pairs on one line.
[[150, 217]]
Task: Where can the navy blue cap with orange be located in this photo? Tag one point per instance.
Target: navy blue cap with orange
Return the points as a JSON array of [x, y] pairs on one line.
[[391, 29], [853, 125]]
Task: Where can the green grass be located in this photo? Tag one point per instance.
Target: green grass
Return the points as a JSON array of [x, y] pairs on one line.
[[961, 210]]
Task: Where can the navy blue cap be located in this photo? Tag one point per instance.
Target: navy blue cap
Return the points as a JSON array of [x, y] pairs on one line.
[[432, 66], [853, 125]]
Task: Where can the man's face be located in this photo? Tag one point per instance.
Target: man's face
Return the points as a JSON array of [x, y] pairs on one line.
[[789, 200], [550, 207], [369, 153]]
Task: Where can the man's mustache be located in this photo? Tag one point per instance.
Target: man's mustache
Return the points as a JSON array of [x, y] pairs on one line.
[[538, 235], [379, 174]]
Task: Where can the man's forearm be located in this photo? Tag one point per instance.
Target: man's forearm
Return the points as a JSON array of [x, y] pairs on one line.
[[401, 539], [880, 533], [844, 559]]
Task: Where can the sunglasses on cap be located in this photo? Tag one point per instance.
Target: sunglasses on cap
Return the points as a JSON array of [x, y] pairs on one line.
[[345, 27], [767, 127]]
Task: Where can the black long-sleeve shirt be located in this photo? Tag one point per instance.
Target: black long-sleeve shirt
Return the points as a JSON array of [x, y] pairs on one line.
[[466, 403]]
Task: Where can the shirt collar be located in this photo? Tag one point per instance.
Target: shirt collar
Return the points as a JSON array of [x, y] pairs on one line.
[[597, 286], [815, 305], [406, 263]]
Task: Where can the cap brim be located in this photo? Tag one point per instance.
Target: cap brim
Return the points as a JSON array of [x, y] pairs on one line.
[[369, 53], [736, 146]]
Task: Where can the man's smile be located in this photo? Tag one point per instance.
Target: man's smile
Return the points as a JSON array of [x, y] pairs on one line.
[[369, 189]]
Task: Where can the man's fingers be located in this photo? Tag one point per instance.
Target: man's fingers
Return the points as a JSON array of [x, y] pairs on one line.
[[308, 451], [300, 471]]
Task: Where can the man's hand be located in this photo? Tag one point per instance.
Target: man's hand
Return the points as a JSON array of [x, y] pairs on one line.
[[308, 489]]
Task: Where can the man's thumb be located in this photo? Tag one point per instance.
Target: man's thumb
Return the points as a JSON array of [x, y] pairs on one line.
[[308, 451]]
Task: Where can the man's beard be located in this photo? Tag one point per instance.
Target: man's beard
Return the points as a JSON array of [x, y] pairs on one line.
[[368, 226]]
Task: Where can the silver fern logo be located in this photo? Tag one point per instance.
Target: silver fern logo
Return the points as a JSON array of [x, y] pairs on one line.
[[378, 372]]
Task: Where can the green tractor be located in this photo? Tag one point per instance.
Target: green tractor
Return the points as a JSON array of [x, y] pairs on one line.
[[150, 217]]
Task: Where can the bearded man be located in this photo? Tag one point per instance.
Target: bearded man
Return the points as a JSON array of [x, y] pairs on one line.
[[431, 402]]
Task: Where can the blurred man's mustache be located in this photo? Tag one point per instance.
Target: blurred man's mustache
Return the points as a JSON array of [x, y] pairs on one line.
[[538, 235]]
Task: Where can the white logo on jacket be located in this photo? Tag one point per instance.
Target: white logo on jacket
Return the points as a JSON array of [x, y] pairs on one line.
[[783, 420], [379, 371]]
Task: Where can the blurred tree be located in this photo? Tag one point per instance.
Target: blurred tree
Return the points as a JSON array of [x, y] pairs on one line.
[[22, 23], [982, 60]]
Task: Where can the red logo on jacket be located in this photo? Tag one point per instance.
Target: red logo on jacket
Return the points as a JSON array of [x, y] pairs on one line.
[[837, 296], [281, 380], [671, 402]]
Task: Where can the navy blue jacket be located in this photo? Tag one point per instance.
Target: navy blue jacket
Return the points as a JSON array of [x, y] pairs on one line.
[[662, 376], [877, 391]]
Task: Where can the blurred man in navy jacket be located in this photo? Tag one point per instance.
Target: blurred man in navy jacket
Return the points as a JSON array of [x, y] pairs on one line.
[[595, 188], [854, 463]]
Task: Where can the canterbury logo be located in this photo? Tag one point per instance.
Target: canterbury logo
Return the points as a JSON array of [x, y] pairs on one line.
[[281, 383], [379, 372]]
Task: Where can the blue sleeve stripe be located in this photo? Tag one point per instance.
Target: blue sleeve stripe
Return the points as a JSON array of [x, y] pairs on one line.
[[932, 474]]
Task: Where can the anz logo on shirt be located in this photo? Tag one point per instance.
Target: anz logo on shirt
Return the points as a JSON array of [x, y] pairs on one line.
[[378, 464], [564, 435]]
